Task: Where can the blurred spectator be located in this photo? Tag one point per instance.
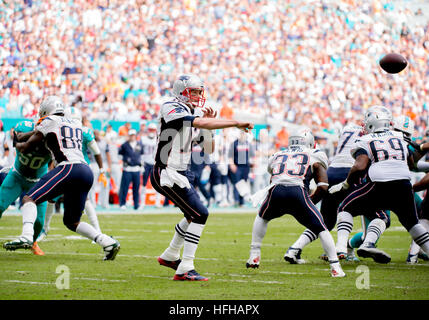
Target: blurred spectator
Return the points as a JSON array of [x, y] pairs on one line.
[[307, 62], [282, 138], [124, 129]]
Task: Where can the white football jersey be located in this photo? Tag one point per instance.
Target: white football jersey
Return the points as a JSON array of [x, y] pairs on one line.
[[63, 138], [175, 135], [149, 147], [388, 153], [294, 165], [348, 137]]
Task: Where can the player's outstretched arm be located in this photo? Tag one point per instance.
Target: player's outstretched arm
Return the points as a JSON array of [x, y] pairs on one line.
[[35, 139], [213, 124]]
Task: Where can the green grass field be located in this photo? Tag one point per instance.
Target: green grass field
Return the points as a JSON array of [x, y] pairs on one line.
[[221, 256]]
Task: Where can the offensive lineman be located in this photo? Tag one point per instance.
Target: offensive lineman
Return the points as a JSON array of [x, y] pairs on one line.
[[384, 155], [169, 175], [291, 171]]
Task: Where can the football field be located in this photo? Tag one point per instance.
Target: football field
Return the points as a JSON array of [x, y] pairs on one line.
[[72, 267]]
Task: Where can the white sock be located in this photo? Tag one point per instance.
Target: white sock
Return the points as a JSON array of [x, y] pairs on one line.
[[50, 210], [304, 239], [190, 246], [258, 233], [425, 223], [375, 229], [344, 227], [420, 236], [414, 248], [92, 215], [29, 215], [88, 231], [172, 253], [328, 245]]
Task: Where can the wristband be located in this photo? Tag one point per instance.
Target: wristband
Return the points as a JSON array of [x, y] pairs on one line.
[[102, 170], [345, 185], [320, 184]]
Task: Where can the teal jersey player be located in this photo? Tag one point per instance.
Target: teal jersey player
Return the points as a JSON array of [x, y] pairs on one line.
[[27, 170], [88, 136]]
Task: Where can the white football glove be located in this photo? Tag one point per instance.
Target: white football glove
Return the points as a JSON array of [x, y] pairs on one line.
[[338, 187]]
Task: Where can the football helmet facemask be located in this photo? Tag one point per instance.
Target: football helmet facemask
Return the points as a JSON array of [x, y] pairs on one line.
[[189, 89]]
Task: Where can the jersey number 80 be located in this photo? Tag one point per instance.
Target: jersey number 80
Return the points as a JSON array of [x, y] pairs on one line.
[[71, 139]]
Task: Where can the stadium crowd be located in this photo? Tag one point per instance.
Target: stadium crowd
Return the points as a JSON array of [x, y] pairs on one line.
[[304, 62], [310, 63]]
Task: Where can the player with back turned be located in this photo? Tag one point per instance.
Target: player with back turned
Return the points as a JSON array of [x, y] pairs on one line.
[[291, 171], [383, 154], [71, 176]]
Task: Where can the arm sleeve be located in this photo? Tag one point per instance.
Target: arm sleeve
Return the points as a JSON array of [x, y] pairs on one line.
[[93, 146]]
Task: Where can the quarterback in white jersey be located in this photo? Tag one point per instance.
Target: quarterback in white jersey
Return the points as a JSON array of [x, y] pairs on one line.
[[169, 175], [384, 155], [71, 177], [291, 172]]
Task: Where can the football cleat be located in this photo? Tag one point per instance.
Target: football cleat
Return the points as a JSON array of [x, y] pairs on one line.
[[323, 257], [170, 264], [341, 255], [337, 271], [352, 257], [111, 251], [190, 276], [423, 256], [20, 243], [253, 262], [36, 250], [293, 256], [368, 250], [412, 259]]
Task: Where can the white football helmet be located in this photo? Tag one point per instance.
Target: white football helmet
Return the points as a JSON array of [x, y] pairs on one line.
[[73, 113], [377, 118], [404, 124], [302, 137], [182, 87], [51, 105]]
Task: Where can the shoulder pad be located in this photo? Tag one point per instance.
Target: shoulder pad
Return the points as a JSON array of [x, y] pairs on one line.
[[320, 156]]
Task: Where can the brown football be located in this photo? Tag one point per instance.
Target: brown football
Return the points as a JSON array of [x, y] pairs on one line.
[[393, 63]]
